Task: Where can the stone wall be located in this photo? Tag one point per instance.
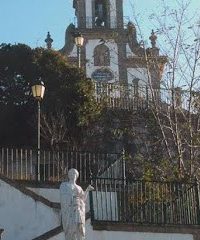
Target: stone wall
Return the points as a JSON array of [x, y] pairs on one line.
[[126, 233], [165, 232]]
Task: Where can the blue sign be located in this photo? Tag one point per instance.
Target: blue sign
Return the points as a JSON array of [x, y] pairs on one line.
[[102, 75]]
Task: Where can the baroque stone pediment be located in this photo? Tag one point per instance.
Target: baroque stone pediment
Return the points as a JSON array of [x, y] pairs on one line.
[[69, 40]]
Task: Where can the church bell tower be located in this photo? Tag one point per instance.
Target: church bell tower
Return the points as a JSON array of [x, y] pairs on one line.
[[111, 52], [101, 24], [93, 14]]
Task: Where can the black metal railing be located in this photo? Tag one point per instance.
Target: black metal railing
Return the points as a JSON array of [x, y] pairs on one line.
[[118, 200], [21, 164], [136, 97], [121, 96]]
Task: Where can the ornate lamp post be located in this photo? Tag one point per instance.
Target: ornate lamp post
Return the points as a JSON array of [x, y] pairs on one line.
[[38, 90], [79, 41], [48, 41]]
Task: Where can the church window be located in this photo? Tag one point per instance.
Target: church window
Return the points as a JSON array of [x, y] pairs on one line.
[[100, 13], [101, 56]]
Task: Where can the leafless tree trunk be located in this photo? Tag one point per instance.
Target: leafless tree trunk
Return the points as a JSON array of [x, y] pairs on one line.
[[178, 118]]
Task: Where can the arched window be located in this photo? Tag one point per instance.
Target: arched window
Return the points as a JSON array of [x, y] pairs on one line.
[[101, 56]]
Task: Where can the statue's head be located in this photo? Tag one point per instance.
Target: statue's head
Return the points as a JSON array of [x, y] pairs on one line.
[[73, 174]]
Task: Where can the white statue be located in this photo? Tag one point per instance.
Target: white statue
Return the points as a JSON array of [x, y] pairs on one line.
[[73, 200]]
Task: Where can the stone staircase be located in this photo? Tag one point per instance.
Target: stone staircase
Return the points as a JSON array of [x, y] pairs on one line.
[[25, 215], [55, 232]]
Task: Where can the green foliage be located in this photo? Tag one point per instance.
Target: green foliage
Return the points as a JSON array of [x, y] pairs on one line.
[[68, 92], [15, 69]]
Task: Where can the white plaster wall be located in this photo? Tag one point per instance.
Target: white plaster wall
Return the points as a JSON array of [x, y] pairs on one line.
[[52, 194], [115, 170], [23, 218], [113, 14], [108, 235], [73, 52], [117, 235], [106, 204], [129, 53], [88, 10], [60, 236], [90, 68], [140, 73]]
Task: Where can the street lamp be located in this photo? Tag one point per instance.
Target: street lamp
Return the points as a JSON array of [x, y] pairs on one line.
[[79, 41], [38, 90]]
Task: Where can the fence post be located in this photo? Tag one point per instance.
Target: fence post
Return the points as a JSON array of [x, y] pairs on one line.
[[91, 206], [123, 214], [1, 161], [123, 164], [196, 187], [147, 98]]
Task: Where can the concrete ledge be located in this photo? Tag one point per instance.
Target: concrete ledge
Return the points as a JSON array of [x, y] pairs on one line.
[[152, 228], [49, 234], [37, 184]]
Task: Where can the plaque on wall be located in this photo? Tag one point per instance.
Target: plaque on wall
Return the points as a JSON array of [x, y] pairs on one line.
[[102, 75]]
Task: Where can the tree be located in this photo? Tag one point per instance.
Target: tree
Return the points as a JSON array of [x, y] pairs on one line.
[[171, 122], [68, 105], [175, 106], [15, 72]]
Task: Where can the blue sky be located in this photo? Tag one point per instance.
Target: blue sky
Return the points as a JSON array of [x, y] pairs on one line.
[[27, 21]]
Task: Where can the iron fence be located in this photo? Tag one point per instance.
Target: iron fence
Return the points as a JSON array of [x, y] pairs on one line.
[[121, 96], [21, 164], [135, 97], [118, 200]]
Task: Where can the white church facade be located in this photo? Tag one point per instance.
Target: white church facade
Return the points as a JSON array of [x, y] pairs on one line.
[[111, 52]]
